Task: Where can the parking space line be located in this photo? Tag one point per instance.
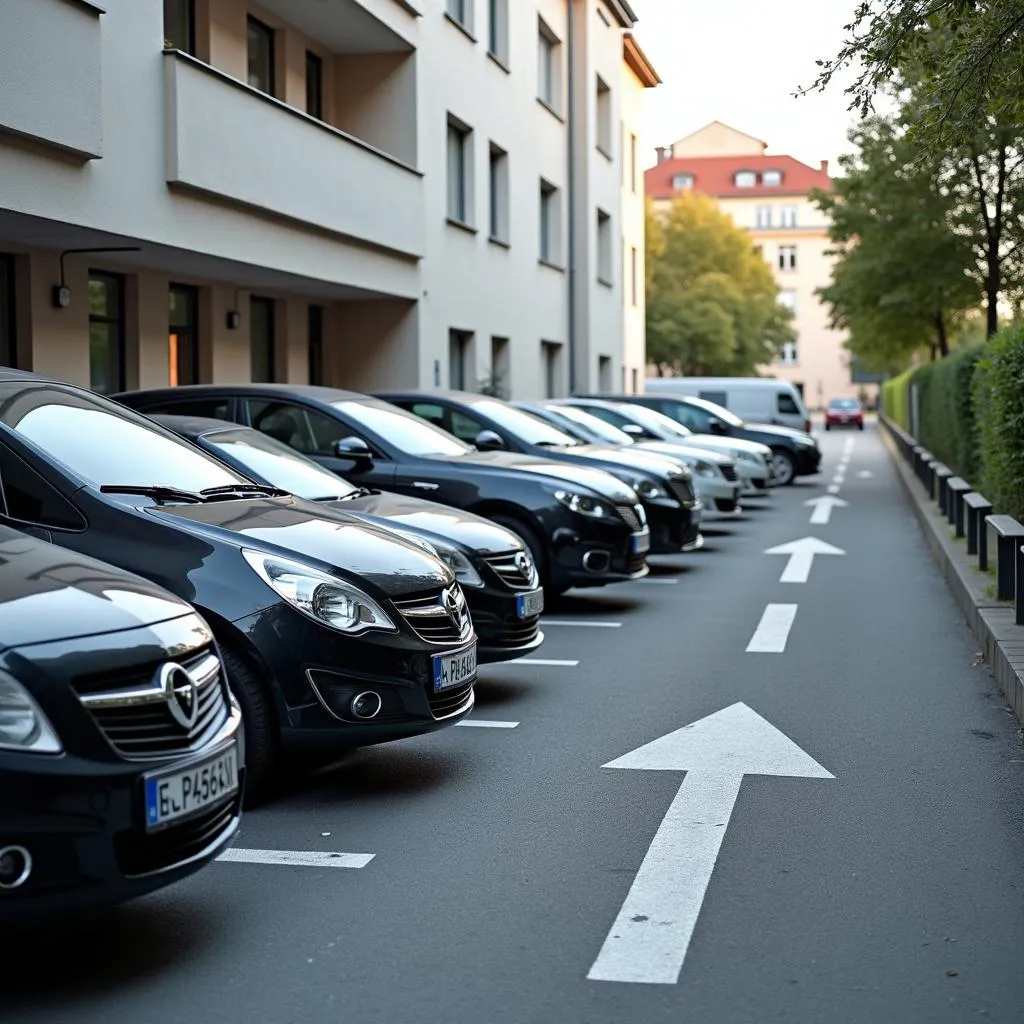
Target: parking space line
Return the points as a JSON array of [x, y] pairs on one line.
[[480, 723], [583, 623], [833, 488], [658, 581], [298, 858], [551, 662], [773, 630]]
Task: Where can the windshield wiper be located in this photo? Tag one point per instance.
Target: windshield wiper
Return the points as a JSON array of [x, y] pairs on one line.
[[558, 444], [235, 490], [158, 491]]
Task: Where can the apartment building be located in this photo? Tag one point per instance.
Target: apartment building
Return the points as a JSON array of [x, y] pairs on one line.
[[768, 195], [359, 193]]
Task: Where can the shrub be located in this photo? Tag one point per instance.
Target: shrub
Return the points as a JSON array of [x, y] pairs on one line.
[[894, 399], [999, 409], [947, 424]]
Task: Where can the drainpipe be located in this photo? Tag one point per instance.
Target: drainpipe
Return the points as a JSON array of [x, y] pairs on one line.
[[571, 188]]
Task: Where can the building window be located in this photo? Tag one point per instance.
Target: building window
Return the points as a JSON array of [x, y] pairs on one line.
[[682, 181], [461, 11], [459, 166], [8, 345], [603, 97], [261, 340], [745, 179], [500, 367], [787, 298], [458, 357], [106, 332], [632, 164], [498, 188], [548, 66], [497, 29], [764, 217], [314, 86], [315, 340], [604, 247], [261, 56], [549, 226], [635, 379], [788, 216], [634, 275], [604, 374], [551, 358], [790, 354], [787, 257], [180, 25], [183, 334], [771, 179]]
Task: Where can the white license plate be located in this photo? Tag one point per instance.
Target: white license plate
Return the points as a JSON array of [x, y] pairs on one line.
[[528, 605], [454, 669], [182, 794], [641, 543]]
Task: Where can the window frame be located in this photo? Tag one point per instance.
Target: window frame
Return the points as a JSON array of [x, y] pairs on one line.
[[548, 223], [314, 85], [499, 219], [188, 8], [270, 34], [458, 160], [191, 292], [271, 306], [117, 321]]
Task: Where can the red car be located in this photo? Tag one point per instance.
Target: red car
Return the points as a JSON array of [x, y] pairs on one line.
[[844, 412]]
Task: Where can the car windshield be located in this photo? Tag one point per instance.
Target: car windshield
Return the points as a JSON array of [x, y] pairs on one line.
[[107, 444], [279, 465], [408, 433], [605, 431], [656, 422], [523, 425], [844, 403], [716, 410]]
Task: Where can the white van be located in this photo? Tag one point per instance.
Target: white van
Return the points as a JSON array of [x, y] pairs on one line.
[[756, 399]]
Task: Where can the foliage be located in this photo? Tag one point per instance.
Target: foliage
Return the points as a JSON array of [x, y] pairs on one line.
[[712, 300], [895, 398], [492, 385], [998, 391]]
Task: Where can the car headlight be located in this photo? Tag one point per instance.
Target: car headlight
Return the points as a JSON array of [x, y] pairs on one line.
[[650, 491], [328, 600], [584, 504], [23, 726], [703, 468], [806, 442], [459, 564]]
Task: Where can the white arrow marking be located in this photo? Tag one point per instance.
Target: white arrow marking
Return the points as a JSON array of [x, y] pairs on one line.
[[864, 474], [649, 940], [481, 723], [801, 557], [773, 630], [823, 508], [298, 858]]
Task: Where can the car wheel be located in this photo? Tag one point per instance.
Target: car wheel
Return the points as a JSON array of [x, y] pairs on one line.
[[783, 468], [262, 738], [530, 538], [828, 426], [860, 426]]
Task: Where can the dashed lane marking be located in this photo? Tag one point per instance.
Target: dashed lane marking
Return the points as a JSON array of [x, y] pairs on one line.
[[773, 630], [297, 858]]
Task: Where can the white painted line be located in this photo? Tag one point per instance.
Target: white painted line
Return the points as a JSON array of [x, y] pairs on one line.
[[651, 936], [298, 858], [801, 557], [865, 474], [553, 662], [584, 623], [480, 723], [833, 488], [773, 630], [658, 581]]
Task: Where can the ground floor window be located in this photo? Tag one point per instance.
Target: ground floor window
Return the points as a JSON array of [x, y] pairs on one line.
[[551, 357], [8, 348], [183, 334], [316, 344], [261, 340], [106, 332]]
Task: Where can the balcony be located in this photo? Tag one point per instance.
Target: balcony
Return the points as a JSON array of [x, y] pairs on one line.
[[50, 53], [229, 140]]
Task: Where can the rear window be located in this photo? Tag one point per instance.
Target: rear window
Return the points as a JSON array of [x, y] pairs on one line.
[[849, 404], [206, 408]]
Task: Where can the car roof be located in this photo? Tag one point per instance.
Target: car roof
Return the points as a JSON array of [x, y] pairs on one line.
[[195, 426], [10, 373]]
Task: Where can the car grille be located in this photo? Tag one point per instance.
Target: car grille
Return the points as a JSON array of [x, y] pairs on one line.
[[450, 702], [728, 471], [143, 853], [428, 616], [511, 574], [633, 515], [136, 716], [508, 632], [682, 489]]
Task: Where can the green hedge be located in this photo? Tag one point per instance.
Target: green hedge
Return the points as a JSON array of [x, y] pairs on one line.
[[946, 414], [895, 403]]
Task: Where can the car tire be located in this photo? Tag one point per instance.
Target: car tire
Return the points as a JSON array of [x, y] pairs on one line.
[[828, 426], [783, 468], [262, 737], [530, 538], [860, 426]]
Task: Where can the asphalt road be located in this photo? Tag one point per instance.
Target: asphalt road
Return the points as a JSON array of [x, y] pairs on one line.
[[502, 856]]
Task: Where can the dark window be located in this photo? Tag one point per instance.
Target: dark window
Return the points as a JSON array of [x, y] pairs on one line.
[[464, 427], [213, 408], [458, 353], [785, 404], [718, 397], [106, 332], [305, 430], [260, 56], [183, 334], [28, 498], [261, 340], [180, 25], [429, 411], [316, 344], [690, 416], [314, 85], [8, 346]]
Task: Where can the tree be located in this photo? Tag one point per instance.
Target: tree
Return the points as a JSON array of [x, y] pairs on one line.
[[712, 301]]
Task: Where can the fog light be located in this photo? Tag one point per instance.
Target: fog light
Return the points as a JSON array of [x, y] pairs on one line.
[[365, 705], [15, 866]]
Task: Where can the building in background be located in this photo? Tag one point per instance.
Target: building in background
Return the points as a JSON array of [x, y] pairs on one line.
[[768, 195], [362, 193]]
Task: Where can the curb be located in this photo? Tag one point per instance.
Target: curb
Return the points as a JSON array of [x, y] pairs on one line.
[[991, 621]]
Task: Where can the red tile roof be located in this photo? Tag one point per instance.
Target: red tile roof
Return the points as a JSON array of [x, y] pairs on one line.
[[713, 175]]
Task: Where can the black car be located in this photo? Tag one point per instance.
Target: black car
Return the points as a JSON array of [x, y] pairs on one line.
[[583, 527], [334, 633], [794, 453], [121, 751], [665, 486], [495, 569]]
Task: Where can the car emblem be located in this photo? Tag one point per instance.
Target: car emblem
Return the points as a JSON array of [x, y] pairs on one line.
[[524, 565], [453, 608], [181, 693]]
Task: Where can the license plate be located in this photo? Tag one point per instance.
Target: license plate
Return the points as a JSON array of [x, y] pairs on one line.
[[184, 793], [454, 669], [641, 543], [528, 605]]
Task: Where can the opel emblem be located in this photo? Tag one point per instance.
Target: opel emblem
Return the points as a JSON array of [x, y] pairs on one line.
[[523, 564], [452, 607], [181, 693]]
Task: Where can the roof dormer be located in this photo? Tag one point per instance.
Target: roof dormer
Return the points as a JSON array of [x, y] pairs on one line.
[[771, 178], [745, 179]]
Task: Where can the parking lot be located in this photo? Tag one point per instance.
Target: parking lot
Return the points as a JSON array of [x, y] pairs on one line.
[[866, 868]]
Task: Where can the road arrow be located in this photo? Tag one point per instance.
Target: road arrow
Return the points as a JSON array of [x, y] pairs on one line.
[[801, 557], [823, 508], [650, 937]]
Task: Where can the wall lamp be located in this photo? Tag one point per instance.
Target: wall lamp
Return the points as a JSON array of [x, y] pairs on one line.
[[61, 294]]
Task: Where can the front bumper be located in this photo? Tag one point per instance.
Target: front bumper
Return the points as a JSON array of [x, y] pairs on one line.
[[501, 634], [672, 530], [808, 460]]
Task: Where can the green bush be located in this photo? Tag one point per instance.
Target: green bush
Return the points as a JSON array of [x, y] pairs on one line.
[[999, 408], [945, 406], [894, 399]]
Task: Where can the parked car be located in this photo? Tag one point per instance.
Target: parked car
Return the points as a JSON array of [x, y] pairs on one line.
[[665, 487], [584, 528], [334, 633], [715, 478], [794, 453], [493, 565], [844, 412], [121, 750], [754, 399]]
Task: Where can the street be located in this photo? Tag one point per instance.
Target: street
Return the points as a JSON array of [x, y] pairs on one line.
[[861, 864]]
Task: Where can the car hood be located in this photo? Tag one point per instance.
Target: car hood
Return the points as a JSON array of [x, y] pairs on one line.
[[624, 457], [677, 449], [591, 477], [48, 593], [776, 431], [429, 520], [294, 528], [729, 444]]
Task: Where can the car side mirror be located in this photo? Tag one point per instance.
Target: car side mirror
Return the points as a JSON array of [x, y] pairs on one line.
[[489, 441], [716, 426], [633, 429], [354, 448]]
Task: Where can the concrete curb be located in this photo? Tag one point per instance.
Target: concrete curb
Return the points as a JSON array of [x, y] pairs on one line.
[[991, 621]]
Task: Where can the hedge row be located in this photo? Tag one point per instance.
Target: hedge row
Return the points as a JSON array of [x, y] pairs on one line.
[[970, 414]]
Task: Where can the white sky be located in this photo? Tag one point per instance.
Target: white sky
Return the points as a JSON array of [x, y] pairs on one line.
[[740, 61]]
